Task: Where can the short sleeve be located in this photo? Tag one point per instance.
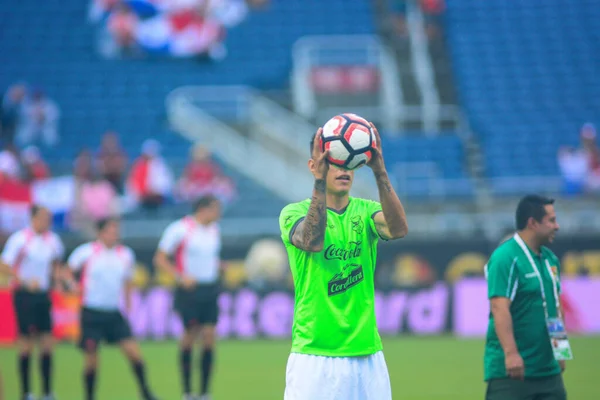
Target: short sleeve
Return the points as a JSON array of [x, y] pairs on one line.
[[13, 246], [289, 218], [172, 237], [502, 275], [79, 257], [372, 209]]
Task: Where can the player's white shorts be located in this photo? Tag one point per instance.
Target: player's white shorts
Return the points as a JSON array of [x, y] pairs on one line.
[[311, 377]]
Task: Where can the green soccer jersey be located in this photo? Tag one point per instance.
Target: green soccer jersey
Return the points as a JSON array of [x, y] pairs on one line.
[[334, 313], [511, 275]]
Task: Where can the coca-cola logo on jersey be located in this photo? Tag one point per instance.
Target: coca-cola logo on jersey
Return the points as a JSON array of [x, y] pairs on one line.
[[332, 252]]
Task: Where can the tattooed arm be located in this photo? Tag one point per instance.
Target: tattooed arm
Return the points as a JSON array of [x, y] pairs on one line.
[[310, 232], [391, 223]]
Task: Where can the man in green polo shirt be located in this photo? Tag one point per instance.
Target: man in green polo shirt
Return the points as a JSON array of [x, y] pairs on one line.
[[525, 351]]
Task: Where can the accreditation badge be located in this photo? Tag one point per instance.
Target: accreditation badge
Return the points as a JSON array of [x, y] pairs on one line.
[[558, 339]]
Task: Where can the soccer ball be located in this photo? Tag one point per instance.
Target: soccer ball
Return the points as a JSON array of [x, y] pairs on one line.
[[349, 139]]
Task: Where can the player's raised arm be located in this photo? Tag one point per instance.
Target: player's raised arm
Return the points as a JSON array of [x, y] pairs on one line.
[[391, 223], [310, 232]]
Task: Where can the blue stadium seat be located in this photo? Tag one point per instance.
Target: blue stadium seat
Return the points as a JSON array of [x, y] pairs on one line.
[[49, 44], [528, 78]]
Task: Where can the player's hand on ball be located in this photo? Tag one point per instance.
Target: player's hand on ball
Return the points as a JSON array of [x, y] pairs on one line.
[[515, 366], [376, 163], [321, 165]]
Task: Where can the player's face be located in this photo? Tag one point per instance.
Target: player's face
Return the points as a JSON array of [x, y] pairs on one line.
[[339, 181], [111, 233], [547, 228], [214, 211], [41, 220]]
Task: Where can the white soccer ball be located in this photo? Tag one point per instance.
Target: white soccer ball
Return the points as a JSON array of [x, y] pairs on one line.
[[349, 139]]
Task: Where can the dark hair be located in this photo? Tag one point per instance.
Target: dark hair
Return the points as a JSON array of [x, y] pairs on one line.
[[35, 209], [102, 223], [204, 202], [531, 206]]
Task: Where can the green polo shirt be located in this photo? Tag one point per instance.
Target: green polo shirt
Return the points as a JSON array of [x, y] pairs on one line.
[[510, 274]]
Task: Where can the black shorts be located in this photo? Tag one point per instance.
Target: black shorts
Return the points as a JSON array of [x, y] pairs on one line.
[[547, 388], [97, 326], [33, 312], [198, 305]]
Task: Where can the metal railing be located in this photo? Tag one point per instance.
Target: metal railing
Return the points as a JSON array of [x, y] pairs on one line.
[[246, 155], [311, 51]]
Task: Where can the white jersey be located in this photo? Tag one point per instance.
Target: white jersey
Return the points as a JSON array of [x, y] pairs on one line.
[[196, 248], [32, 255], [104, 272]]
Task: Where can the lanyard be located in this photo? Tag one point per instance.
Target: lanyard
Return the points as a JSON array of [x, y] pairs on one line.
[[539, 276]]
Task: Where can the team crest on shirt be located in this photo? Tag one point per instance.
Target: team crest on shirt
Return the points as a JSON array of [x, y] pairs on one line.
[[554, 270], [357, 224], [351, 275]]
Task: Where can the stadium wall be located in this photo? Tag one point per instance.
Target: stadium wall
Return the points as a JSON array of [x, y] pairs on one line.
[[423, 288]]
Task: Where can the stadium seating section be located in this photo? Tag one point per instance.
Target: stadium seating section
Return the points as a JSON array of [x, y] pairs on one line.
[[527, 76]]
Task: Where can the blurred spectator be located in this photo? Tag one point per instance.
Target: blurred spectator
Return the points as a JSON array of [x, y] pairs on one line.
[[40, 119], [590, 147], [83, 166], [150, 180], [178, 28], [112, 161], [10, 113], [397, 19], [9, 162], [100, 9], [433, 11], [122, 25], [34, 168], [95, 199], [203, 176], [573, 164]]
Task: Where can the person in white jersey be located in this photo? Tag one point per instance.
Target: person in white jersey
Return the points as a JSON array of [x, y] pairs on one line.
[[195, 243], [32, 256], [105, 268]]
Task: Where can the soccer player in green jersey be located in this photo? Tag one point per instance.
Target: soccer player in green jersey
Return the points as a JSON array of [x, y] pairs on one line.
[[331, 240], [524, 287]]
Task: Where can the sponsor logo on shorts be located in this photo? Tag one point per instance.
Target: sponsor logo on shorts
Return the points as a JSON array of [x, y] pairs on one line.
[[351, 276]]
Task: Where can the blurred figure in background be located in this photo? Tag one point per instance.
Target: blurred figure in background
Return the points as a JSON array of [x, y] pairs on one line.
[[203, 176], [11, 111], [590, 147], [9, 162], [95, 200], [150, 180], [574, 166], [112, 160], [108, 267], [40, 121], [580, 167], [83, 166], [34, 168], [194, 242], [122, 24], [32, 256]]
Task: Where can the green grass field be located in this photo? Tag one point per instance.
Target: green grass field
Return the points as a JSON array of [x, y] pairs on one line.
[[420, 369]]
